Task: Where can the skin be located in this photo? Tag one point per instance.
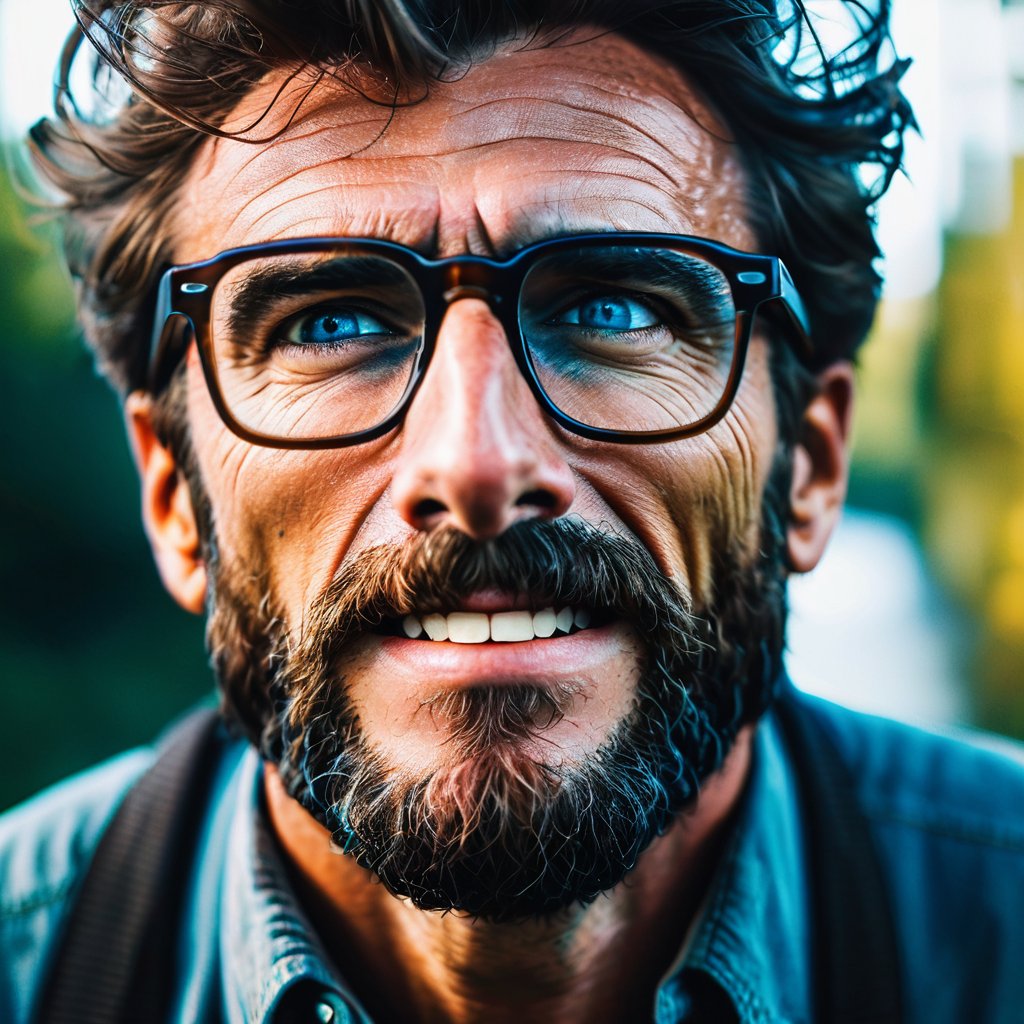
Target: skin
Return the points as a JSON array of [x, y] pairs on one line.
[[594, 136]]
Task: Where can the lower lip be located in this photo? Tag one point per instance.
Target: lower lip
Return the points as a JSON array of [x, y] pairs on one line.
[[541, 661]]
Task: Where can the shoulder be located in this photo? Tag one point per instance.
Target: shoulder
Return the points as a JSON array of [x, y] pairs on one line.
[[965, 787], [947, 814], [45, 847]]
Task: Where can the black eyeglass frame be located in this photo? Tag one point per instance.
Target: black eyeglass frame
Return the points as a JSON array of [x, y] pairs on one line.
[[184, 295]]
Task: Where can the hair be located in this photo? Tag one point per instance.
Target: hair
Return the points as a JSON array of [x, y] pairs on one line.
[[806, 123]]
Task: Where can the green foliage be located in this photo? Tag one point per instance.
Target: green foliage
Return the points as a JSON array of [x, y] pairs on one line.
[[95, 656]]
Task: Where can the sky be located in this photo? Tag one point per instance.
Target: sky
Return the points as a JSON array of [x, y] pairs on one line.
[[32, 33]]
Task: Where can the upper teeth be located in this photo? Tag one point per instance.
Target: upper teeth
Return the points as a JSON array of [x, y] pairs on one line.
[[507, 627]]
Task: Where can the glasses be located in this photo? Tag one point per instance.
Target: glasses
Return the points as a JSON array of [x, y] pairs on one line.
[[323, 342]]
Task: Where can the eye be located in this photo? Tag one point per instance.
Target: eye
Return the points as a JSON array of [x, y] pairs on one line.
[[332, 325], [609, 313]]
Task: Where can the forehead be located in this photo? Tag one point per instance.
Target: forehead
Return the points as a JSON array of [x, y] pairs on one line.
[[590, 134]]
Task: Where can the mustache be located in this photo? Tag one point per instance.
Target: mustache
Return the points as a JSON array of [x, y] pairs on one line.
[[276, 667], [556, 563]]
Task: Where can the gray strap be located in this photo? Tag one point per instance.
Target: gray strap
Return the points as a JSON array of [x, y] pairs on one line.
[[117, 959], [856, 958]]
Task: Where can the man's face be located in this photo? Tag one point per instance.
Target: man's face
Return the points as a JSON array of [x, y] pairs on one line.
[[595, 136]]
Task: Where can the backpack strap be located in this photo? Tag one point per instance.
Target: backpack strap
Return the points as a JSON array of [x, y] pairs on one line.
[[855, 956], [115, 961]]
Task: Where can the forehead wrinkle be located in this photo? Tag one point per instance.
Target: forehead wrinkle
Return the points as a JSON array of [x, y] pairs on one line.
[[238, 217], [625, 155], [683, 114], [551, 122], [241, 157], [418, 222], [662, 92], [348, 212], [684, 184], [671, 189], [284, 176], [531, 220], [248, 162], [413, 228], [314, 112], [419, 205], [670, 104], [598, 180], [662, 110]]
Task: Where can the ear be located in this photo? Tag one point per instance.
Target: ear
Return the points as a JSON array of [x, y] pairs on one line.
[[820, 468], [167, 512]]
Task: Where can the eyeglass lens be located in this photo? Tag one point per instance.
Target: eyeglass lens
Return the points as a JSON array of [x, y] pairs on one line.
[[324, 344], [631, 339]]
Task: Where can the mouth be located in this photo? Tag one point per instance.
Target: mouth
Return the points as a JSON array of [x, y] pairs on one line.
[[477, 627]]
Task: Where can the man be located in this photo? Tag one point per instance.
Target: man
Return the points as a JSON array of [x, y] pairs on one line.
[[474, 399]]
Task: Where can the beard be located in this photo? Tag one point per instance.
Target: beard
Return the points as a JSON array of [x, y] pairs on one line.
[[500, 832]]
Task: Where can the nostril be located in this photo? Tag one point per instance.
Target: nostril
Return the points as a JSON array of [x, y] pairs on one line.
[[538, 498], [427, 508]]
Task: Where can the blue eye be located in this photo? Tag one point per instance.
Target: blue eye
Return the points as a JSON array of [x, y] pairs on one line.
[[333, 326], [610, 313]]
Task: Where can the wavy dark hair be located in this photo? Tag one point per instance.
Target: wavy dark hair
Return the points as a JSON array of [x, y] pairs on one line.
[[807, 123]]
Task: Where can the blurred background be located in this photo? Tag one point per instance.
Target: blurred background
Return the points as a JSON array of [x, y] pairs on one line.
[[917, 612]]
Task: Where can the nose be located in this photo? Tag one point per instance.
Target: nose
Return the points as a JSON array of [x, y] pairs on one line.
[[477, 451]]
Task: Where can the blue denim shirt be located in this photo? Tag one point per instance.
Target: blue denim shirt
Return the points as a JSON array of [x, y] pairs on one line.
[[947, 817]]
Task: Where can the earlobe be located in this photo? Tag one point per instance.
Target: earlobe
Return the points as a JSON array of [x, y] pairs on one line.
[[820, 468], [167, 512]]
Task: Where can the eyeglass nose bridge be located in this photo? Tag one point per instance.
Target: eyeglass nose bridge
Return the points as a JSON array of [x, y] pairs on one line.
[[469, 291], [473, 277], [476, 277], [496, 283]]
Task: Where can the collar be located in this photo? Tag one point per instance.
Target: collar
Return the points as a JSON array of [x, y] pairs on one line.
[[753, 934]]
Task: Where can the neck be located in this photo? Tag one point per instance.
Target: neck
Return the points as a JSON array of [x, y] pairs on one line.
[[597, 963]]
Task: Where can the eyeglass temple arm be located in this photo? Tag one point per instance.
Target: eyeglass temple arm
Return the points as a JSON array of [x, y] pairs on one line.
[[160, 315], [166, 337], [794, 306]]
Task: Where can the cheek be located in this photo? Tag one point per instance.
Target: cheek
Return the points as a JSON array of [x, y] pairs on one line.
[[745, 443], [287, 517], [692, 500]]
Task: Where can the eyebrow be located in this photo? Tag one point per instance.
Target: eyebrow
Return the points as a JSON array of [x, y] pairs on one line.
[[259, 289], [699, 281]]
